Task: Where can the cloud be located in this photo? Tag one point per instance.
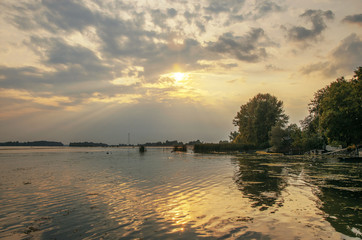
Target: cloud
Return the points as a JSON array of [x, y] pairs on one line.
[[171, 12], [248, 48], [46, 99], [231, 8], [217, 7], [346, 57], [55, 52], [160, 18], [354, 19], [234, 19], [52, 16], [317, 18], [265, 7], [315, 67]]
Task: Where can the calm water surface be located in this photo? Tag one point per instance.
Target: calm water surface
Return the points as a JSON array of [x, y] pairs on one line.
[[118, 193]]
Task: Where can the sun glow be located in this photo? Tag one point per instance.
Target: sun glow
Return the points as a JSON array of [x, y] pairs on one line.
[[179, 76]]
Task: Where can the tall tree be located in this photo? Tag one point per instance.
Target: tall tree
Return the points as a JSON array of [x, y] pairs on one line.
[[256, 118], [336, 110]]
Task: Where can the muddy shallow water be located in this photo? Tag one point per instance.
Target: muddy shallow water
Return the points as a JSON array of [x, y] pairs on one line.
[[118, 193]]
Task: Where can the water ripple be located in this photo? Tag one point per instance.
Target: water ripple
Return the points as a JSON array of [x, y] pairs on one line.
[[89, 194]]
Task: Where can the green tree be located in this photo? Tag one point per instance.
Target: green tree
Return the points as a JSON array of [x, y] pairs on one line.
[[288, 140], [336, 110], [233, 135], [256, 118], [279, 139]]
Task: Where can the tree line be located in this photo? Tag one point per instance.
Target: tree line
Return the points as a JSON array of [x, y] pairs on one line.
[[335, 118], [32, 144]]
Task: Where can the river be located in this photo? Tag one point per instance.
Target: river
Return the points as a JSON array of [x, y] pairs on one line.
[[119, 193]]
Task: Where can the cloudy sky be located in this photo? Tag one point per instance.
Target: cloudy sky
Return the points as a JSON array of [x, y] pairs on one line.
[[96, 70]]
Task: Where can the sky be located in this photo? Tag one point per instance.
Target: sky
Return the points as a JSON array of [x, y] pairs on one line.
[[161, 70]]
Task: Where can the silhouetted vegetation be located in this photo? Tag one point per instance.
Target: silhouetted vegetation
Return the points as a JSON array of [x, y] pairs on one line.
[[336, 111], [256, 118], [87, 144], [167, 143], [224, 147], [335, 118], [33, 144], [194, 142], [180, 148]]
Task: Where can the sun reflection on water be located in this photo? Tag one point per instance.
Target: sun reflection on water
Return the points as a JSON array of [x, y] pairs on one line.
[[178, 196]]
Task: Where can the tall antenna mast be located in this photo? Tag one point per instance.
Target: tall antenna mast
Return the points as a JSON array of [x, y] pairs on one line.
[[129, 139]]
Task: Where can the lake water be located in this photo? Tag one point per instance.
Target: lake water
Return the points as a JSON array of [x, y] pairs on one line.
[[118, 193]]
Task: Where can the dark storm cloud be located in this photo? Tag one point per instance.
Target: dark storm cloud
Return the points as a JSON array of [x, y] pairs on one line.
[[356, 19], [249, 48], [317, 18], [346, 57]]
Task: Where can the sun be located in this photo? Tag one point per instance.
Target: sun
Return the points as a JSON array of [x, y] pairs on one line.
[[178, 76]]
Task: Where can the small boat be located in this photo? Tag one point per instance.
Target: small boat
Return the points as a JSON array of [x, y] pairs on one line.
[[142, 149]]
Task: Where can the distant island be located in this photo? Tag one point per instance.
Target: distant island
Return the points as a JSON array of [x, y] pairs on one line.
[[87, 144], [170, 143], [167, 143], [33, 144]]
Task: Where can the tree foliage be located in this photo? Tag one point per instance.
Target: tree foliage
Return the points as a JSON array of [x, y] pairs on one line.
[[335, 116], [256, 118], [336, 110]]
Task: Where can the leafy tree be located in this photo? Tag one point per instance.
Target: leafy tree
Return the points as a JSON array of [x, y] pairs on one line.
[[279, 139], [336, 110], [291, 140], [256, 118], [233, 135]]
